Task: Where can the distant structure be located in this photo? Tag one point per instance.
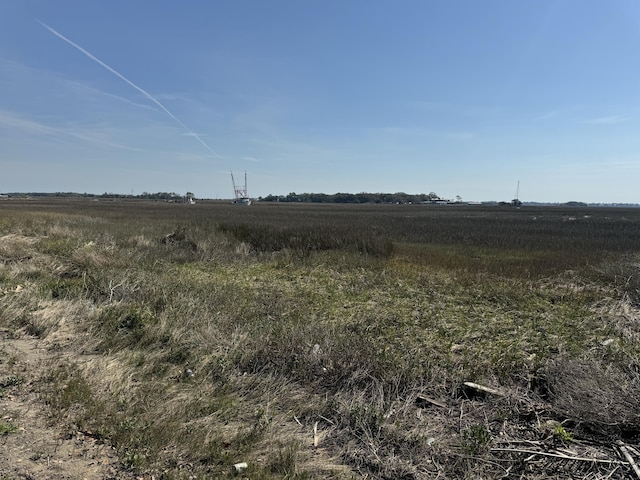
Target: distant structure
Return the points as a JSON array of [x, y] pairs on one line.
[[516, 201], [241, 197], [189, 199]]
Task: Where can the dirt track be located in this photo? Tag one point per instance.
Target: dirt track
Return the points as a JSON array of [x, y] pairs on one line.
[[38, 449]]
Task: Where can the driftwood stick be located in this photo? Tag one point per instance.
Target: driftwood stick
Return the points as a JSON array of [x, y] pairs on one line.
[[632, 450], [316, 437], [627, 455], [556, 455], [482, 388], [423, 399]]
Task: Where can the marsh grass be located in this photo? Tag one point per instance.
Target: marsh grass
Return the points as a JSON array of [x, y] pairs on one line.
[[305, 240], [294, 320]]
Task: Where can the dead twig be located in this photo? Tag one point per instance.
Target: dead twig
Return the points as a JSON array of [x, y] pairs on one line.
[[557, 455], [327, 420], [423, 399], [530, 442], [612, 472]]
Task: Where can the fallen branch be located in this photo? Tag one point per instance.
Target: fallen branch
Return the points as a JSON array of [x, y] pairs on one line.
[[557, 455], [632, 450], [625, 451], [482, 388], [423, 399]]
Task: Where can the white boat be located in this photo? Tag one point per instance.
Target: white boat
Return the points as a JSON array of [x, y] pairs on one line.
[[241, 197], [242, 201]]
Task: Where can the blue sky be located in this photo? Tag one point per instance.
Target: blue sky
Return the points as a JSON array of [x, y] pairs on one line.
[[459, 98]]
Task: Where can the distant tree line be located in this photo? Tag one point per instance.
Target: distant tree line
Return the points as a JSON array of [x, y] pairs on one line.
[[165, 196], [162, 196], [399, 197], [51, 194]]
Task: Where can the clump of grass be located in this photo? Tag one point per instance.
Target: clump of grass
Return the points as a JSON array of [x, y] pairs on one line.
[[67, 388], [283, 462], [7, 428], [476, 439], [123, 324]]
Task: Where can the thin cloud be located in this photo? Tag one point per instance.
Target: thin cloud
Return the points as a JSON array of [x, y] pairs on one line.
[[31, 127], [425, 132], [606, 165], [552, 114], [610, 120], [463, 110], [87, 88], [16, 73], [462, 136], [9, 120], [130, 83], [625, 164]]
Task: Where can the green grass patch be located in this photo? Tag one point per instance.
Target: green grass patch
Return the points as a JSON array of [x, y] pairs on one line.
[[7, 428]]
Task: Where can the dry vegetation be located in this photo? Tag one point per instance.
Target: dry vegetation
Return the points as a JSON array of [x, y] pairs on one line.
[[315, 341]]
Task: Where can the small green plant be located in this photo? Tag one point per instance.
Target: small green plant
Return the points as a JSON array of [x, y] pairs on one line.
[[560, 433], [132, 459], [7, 428], [476, 439]]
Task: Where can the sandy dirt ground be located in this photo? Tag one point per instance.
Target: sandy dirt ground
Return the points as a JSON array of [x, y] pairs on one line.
[[36, 448]]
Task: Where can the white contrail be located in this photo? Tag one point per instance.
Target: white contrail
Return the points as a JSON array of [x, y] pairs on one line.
[[122, 77]]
